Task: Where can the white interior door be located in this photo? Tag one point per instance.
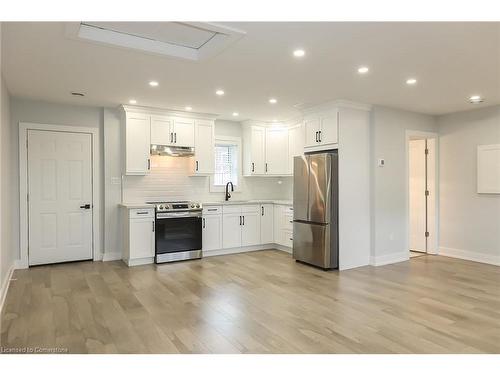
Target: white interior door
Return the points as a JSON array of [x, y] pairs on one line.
[[417, 195], [59, 187]]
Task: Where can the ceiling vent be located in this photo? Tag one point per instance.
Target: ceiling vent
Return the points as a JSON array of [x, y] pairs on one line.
[[186, 40]]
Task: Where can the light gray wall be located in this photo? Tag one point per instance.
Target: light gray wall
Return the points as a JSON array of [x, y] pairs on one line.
[[7, 252], [470, 222], [26, 110], [388, 197]]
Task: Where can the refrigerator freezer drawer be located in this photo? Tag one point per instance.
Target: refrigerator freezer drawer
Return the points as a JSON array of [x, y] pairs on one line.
[[312, 244]]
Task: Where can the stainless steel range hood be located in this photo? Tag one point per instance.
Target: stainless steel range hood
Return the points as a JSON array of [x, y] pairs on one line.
[[171, 150]]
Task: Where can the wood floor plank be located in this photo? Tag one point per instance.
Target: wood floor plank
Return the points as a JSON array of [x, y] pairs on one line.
[[259, 302]]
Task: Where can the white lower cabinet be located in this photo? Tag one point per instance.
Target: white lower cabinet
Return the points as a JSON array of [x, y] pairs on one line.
[[250, 229], [283, 225], [231, 230], [212, 232], [139, 236], [266, 223]]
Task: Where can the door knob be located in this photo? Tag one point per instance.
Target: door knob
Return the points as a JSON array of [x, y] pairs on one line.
[[86, 206]]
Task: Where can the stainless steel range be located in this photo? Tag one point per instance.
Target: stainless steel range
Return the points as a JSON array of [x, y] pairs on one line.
[[178, 231]]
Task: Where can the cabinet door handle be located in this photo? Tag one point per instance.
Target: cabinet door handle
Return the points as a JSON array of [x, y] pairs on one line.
[[196, 165], [175, 137], [262, 210], [266, 167], [149, 164], [243, 220], [253, 167], [203, 223], [240, 220], [319, 133], [316, 137], [171, 137], [153, 225]]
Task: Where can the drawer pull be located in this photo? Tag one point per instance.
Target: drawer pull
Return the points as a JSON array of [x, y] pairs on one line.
[[142, 213], [291, 239], [212, 209]]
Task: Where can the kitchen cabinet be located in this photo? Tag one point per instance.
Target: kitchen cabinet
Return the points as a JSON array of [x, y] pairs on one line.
[[231, 230], [172, 131], [183, 132], [266, 223], [321, 131], [139, 244], [265, 150], [211, 230], [161, 130], [254, 138], [137, 144], [283, 225], [295, 144], [250, 229], [241, 225], [276, 151], [204, 147]]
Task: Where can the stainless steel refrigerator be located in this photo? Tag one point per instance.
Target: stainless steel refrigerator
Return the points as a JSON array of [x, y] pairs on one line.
[[315, 209]]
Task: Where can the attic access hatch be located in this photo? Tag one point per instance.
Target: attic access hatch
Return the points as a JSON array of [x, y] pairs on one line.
[[187, 40]]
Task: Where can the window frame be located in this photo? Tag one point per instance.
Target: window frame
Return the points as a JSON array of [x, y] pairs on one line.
[[230, 141]]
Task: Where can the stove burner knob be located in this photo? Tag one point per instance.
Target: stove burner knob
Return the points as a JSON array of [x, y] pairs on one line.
[[192, 205], [161, 207], [198, 205], [167, 206]]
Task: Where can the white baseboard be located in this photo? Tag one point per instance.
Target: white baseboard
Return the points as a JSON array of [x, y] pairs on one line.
[[110, 256], [286, 249], [235, 250], [470, 255], [382, 260], [4, 286]]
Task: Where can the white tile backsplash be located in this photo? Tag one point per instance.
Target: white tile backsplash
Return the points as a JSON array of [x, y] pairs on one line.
[[169, 179]]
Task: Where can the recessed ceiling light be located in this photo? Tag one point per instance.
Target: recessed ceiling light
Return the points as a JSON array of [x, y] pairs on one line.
[[475, 99], [220, 92], [153, 83], [273, 101], [363, 69], [188, 108], [299, 53], [74, 93], [236, 114], [411, 81], [132, 101]]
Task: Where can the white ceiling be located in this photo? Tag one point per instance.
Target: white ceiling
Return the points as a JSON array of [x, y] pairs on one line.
[[451, 61]]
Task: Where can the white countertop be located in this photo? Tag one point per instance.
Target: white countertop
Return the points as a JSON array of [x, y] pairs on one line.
[[251, 201], [137, 205], [220, 203]]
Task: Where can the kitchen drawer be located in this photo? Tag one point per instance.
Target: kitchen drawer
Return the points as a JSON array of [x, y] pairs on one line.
[[139, 213], [287, 238], [250, 208], [212, 210], [232, 209], [287, 221]]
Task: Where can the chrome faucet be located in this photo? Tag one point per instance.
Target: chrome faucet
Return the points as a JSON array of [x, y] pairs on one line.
[[227, 190]]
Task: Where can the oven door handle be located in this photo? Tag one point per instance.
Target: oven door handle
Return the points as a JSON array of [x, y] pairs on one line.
[[177, 215]]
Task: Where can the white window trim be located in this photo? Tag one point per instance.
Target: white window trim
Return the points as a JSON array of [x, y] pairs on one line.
[[220, 139]]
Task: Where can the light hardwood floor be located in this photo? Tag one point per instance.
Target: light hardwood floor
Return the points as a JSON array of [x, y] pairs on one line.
[[260, 302]]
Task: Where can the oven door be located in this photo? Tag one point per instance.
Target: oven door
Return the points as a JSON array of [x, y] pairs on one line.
[[178, 231]]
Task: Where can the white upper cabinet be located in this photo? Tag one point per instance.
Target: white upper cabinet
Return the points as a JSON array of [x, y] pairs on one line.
[[295, 144], [276, 151], [312, 128], [161, 130], [321, 130], [183, 132], [137, 143], [254, 138], [204, 162]]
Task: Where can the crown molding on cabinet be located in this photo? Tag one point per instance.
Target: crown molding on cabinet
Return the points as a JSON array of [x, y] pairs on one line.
[[167, 112], [335, 103]]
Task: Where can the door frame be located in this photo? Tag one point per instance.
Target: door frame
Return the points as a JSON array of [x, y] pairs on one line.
[[24, 127], [433, 248]]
